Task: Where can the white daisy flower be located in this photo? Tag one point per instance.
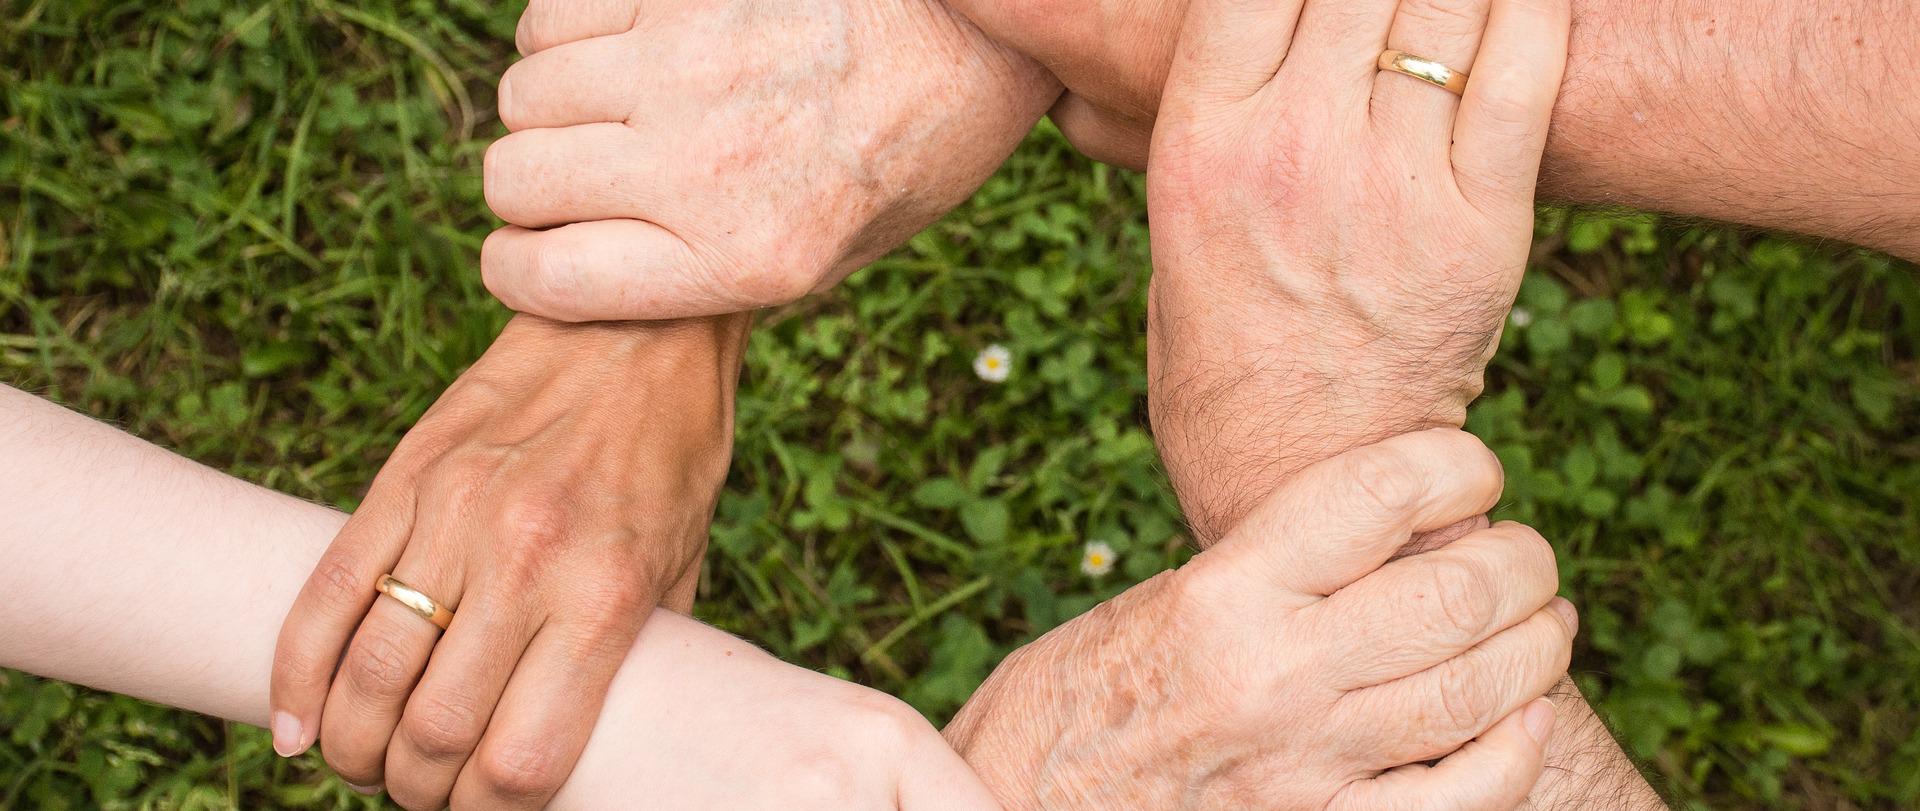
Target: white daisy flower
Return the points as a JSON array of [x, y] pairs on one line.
[[1520, 317], [1098, 559], [993, 364]]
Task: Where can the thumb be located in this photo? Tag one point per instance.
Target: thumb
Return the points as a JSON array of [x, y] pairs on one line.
[[1493, 771], [1230, 49]]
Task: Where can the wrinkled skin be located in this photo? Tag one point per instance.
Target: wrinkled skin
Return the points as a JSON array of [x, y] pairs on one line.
[[1335, 249], [692, 158], [1280, 669]]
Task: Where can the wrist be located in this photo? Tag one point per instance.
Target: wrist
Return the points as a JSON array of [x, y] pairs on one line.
[[1245, 392]]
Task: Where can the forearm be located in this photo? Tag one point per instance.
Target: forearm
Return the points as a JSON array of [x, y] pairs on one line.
[[1246, 389], [1769, 113], [133, 570], [1777, 114], [140, 572]]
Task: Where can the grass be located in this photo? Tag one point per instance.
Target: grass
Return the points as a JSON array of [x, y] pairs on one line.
[[249, 231]]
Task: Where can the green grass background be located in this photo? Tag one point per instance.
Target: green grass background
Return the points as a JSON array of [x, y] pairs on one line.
[[248, 231]]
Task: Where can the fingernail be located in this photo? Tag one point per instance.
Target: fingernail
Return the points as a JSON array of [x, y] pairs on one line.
[[1538, 719], [287, 737], [367, 790], [1568, 613]]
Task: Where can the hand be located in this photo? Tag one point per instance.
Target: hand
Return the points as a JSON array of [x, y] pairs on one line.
[[1335, 247], [1287, 667], [715, 723], [553, 496], [1112, 56], [695, 157]]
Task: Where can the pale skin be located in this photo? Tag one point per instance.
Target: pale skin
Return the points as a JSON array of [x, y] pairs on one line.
[[188, 571], [133, 570]]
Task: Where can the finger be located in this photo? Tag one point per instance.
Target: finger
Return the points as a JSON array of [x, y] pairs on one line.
[[1419, 611], [547, 714], [448, 711], [547, 23], [1229, 50], [547, 177], [611, 270], [1338, 46], [1102, 135], [382, 663], [1495, 770], [1343, 517], [1457, 700], [1410, 111], [1501, 131], [569, 84], [330, 606]]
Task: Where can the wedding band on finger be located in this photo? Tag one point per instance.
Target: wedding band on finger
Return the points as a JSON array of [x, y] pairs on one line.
[[415, 600], [1426, 70]]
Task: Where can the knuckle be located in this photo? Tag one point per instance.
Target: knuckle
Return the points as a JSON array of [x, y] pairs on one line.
[[1463, 599], [376, 666], [554, 265], [301, 669], [1510, 113], [443, 727], [771, 285], [522, 768], [1464, 702], [1382, 482], [1534, 552], [348, 762], [404, 793], [533, 524], [463, 477], [530, 529], [337, 582], [610, 608]]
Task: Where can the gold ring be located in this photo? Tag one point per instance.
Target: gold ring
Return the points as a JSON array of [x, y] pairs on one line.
[[1425, 70], [415, 600]]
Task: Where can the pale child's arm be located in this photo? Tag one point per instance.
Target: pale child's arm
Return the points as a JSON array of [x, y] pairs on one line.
[[130, 569]]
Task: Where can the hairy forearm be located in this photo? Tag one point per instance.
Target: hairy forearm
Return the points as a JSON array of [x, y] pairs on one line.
[[1779, 114], [1246, 387]]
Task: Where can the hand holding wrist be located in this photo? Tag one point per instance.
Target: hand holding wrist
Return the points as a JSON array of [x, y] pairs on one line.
[[552, 497]]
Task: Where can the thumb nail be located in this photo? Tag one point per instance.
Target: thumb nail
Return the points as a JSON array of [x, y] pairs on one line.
[[1538, 719], [288, 739]]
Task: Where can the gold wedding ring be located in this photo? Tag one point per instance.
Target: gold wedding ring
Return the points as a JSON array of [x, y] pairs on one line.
[[1425, 70], [415, 600]]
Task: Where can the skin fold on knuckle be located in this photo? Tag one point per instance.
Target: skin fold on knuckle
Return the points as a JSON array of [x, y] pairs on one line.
[[376, 666], [337, 582], [532, 530], [1381, 484], [521, 768], [1457, 597], [1464, 704], [442, 727]]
